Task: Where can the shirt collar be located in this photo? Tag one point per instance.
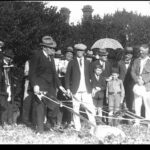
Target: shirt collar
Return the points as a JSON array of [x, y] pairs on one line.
[[146, 58], [45, 53], [80, 58]]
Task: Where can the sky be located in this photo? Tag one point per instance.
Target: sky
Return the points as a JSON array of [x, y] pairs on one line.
[[101, 7]]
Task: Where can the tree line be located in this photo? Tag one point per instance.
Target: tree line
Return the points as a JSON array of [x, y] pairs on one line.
[[22, 24]]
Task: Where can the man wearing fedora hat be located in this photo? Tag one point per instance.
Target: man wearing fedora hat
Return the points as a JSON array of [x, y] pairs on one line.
[[103, 61], [78, 85], [43, 77]]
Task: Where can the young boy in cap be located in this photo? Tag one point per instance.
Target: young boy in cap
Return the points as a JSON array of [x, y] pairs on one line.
[[114, 92], [98, 87]]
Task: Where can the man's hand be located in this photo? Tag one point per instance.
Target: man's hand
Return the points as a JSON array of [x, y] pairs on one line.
[[69, 93], [63, 70], [37, 92], [140, 81], [93, 92], [98, 88], [109, 79], [62, 89], [36, 89]]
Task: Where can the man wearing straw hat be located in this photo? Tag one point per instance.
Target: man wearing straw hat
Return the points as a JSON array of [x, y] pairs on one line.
[[77, 82]]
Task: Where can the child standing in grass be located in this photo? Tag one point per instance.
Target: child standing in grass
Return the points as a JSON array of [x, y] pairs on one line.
[[114, 92], [98, 88]]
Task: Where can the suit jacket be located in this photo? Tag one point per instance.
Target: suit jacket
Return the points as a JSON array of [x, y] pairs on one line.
[[135, 72], [128, 77], [72, 77], [128, 86], [122, 70], [106, 73], [42, 72], [98, 83]]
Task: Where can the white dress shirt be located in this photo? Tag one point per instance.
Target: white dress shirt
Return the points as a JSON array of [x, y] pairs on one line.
[[62, 64], [82, 86], [127, 64], [102, 63]]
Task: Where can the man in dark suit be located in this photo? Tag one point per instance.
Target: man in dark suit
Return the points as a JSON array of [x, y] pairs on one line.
[[43, 77], [106, 70], [103, 61], [77, 82], [128, 81]]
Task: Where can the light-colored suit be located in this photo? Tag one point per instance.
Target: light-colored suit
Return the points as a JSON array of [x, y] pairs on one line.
[[145, 74], [135, 72]]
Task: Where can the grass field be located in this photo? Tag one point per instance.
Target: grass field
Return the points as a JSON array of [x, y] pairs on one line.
[[23, 135]]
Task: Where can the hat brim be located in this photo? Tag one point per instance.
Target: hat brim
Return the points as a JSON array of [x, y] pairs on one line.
[[103, 54], [53, 45], [69, 51], [80, 50]]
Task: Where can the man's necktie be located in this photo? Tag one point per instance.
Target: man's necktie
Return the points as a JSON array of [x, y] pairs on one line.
[[97, 77], [81, 62], [49, 58]]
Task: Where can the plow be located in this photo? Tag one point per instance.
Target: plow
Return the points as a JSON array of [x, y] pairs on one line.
[[102, 130]]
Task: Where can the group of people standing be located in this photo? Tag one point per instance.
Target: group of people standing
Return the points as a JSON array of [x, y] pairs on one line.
[[95, 84]]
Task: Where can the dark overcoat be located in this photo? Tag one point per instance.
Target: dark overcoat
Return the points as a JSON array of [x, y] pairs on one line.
[[43, 73]]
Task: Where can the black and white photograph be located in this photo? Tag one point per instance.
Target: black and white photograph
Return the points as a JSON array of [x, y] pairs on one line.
[[75, 72]]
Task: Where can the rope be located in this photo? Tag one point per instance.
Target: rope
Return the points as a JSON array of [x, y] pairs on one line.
[[109, 117]]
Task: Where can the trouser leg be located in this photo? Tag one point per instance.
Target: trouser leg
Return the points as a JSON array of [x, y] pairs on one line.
[[147, 106], [40, 111], [26, 109], [138, 104], [88, 103], [76, 106], [111, 102]]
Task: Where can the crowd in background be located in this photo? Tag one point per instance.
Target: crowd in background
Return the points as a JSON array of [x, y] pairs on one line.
[[96, 80]]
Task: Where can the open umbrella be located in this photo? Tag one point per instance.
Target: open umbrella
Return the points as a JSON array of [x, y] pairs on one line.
[[107, 43]]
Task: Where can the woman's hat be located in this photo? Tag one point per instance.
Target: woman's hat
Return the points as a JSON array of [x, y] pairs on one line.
[[48, 42]]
